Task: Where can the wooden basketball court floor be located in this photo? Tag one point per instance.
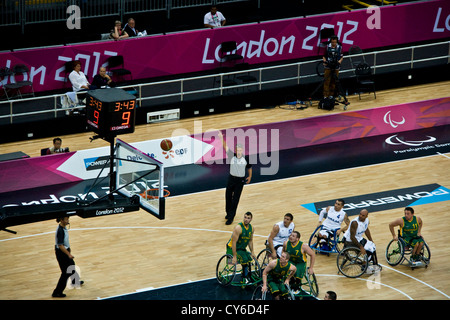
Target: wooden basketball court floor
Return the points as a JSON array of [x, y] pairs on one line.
[[132, 252]]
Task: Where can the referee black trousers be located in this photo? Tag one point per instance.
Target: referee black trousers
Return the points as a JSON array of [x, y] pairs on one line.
[[64, 263], [232, 195]]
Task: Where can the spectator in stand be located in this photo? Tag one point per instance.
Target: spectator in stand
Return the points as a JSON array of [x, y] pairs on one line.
[[117, 33], [103, 80], [130, 28], [214, 19], [78, 78]]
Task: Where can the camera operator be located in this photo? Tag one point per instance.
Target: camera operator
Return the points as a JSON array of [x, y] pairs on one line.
[[332, 60], [57, 148]]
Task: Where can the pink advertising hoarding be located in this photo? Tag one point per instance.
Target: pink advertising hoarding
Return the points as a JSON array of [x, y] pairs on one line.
[[194, 51], [76, 166]]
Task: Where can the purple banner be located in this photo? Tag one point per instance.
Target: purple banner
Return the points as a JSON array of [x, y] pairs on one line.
[[194, 51], [333, 128], [86, 164]]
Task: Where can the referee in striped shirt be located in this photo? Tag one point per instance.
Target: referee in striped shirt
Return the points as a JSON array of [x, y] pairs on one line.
[[239, 166]]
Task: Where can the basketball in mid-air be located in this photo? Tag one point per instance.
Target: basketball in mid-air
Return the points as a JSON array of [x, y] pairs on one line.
[[166, 145]]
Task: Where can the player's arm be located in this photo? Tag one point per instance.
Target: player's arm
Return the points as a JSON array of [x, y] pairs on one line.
[[347, 223], [396, 223], [250, 244], [322, 215], [368, 234], [272, 235], [419, 232], [266, 271], [291, 273], [353, 228], [312, 257], [236, 233], [284, 246]]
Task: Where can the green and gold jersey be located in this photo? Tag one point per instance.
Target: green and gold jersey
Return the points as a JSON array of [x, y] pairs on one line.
[[410, 229], [244, 238], [280, 272], [295, 252]]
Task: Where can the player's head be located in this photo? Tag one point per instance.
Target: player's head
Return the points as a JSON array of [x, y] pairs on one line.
[[409, 213], [284, 258], [294, 236], [363, 215], [339, 204], [248, 216], [288, 217]]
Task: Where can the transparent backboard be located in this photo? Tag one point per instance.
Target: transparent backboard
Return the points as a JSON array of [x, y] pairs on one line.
[[139, 174]]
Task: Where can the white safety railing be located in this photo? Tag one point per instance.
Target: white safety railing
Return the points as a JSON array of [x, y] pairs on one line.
[[238, 82]]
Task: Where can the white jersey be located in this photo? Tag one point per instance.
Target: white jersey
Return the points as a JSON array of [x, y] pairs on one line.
[[362, 227], [333, 220], [283, 234]]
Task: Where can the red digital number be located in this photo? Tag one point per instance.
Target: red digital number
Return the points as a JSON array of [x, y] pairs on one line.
[[96, 116], [126, 117]]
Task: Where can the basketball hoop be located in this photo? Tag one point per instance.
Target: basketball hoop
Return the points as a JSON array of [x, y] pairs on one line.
[[153, 194]]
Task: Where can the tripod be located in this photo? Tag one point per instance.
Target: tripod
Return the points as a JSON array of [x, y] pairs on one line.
[[338, 87]]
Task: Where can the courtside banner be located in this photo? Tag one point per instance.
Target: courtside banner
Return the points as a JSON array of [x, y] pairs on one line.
[[204, 147], [387, 200], [396, 120], [194, 51]]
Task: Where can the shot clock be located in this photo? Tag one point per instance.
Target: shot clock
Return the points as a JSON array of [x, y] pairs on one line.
[[110, 112]]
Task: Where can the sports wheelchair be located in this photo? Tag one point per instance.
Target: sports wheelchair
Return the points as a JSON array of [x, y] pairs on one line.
[[352, 263], [308, 286], [398, 251], [334, 243], [229, 273]]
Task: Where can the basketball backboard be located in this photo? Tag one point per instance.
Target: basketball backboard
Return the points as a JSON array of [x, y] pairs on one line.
[[139, 174]]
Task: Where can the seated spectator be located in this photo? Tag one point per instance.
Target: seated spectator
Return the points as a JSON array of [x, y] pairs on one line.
[[78, 79], [118, 33], [57, 142], [214, 19], [102, 79], [130, 28]]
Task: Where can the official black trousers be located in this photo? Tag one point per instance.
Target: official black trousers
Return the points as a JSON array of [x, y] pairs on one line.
[[232, 195], [64, 263]]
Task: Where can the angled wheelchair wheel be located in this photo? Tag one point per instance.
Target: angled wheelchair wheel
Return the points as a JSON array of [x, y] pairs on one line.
[[290, 295], [351, 262], [256, 273], [339, 243], [312, 283], [259, 295], [264, 258], [225, 270], [395, 252], [313, 240], [426, 254]]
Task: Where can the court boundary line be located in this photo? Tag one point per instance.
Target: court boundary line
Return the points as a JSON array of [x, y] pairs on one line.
[[367, 280], [199, 229]]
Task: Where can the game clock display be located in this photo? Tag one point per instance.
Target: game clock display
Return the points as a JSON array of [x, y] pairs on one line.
[[110, 112]]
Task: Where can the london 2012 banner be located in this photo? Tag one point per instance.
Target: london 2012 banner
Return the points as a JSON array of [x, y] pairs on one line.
[[267, 42]]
